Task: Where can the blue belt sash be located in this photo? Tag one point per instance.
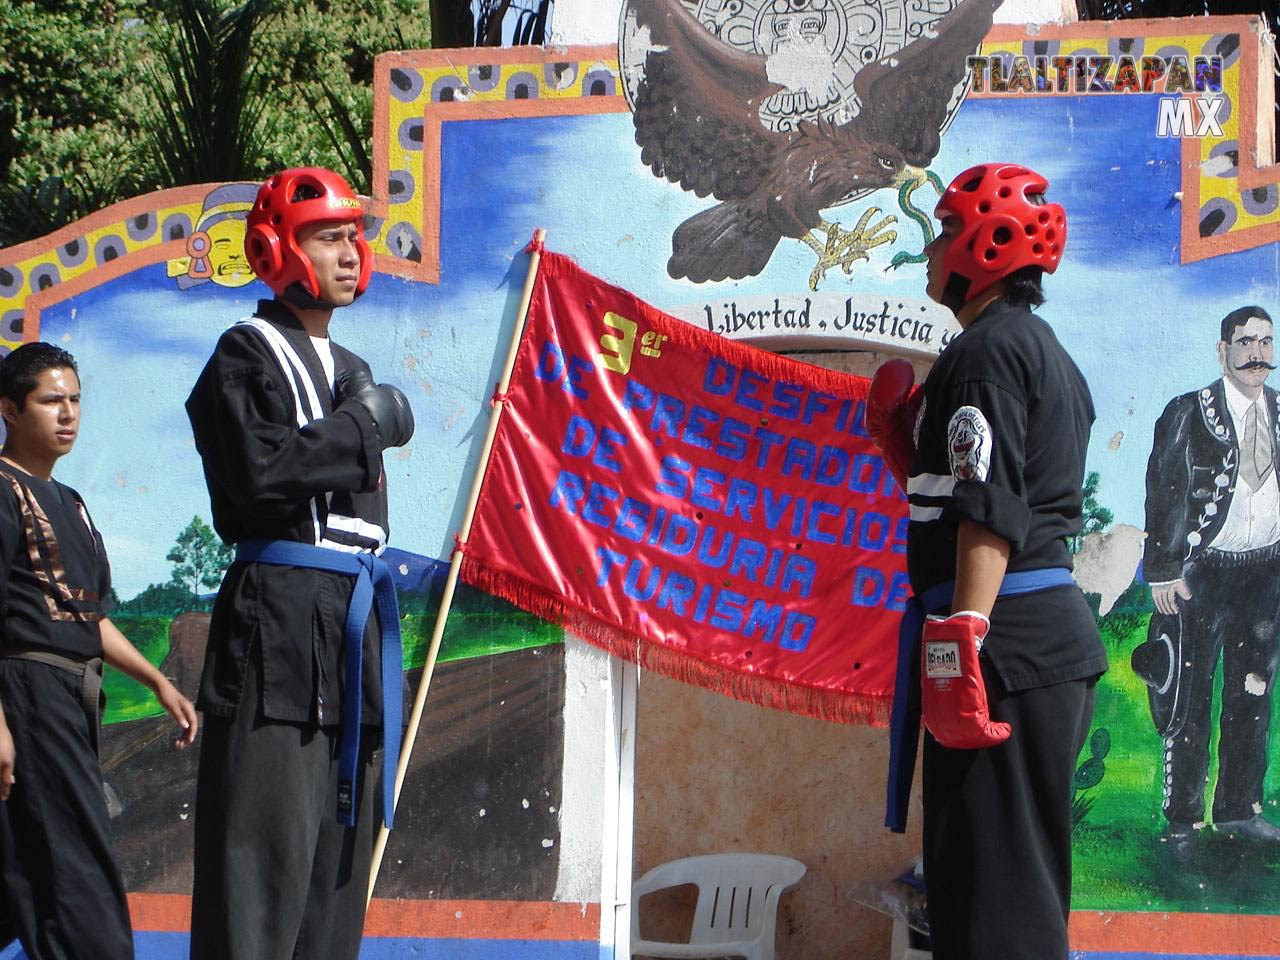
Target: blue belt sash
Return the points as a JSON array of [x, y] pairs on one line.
[[373, 581], [904, 727]]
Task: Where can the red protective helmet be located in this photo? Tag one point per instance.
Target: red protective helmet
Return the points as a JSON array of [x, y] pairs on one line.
[[1005, 226], [292, 199]]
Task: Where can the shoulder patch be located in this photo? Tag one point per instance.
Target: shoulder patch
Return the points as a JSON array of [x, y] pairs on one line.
[[969, 444]]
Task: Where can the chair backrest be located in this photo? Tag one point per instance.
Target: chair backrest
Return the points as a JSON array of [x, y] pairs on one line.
[[738, 893]]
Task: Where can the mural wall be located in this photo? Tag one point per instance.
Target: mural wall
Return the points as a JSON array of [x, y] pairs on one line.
[[765, 170]]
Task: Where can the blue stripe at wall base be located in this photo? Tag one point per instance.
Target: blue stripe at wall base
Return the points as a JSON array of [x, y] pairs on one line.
[[174, 946]]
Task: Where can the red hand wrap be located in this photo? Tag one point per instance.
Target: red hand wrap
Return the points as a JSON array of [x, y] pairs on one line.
[[893, 402], [954, 696]]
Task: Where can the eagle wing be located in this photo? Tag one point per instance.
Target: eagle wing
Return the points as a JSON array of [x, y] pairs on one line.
[[696, 110], [904, 96]]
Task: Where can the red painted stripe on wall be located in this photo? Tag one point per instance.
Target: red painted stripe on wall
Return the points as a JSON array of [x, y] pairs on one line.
[[484, 919], [1191, 934], [464, 919]]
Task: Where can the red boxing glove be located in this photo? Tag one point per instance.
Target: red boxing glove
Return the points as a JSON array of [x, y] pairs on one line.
[[955, 698], [893, 402]]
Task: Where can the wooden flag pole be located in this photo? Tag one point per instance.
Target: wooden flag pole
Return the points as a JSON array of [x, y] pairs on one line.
[[455, 561]]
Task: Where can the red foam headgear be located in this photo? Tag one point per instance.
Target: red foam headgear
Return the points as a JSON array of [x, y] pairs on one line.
[[292, 199], [1005, 225]]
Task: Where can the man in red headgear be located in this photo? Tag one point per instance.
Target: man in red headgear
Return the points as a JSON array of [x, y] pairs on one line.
[[291, 430], [999, 651]]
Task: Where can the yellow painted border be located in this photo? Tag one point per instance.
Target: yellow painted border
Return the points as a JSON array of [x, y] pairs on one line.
[[495, 83]]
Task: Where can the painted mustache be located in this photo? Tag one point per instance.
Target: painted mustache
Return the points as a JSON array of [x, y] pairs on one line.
[[1256, 365]]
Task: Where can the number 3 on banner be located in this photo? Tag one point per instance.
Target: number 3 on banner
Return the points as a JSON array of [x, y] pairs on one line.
[[617, 349]]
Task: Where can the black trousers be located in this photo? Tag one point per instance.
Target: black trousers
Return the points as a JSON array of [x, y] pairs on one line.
[[65, 895], [276, 876], [1233, 613], [997, 829]]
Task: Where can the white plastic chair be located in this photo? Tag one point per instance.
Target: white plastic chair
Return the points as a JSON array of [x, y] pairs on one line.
[[900, 948], [737, 910]]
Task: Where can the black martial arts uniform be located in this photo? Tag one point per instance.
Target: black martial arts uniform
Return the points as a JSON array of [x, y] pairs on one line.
[[64, 890], [1002, 439], [276, 876]]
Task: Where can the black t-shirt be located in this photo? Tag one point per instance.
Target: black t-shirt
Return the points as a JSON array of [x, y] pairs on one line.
[[1002, 439], [57, 581]]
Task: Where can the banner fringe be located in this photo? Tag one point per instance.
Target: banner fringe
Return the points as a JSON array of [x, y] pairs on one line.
[[676, 664]]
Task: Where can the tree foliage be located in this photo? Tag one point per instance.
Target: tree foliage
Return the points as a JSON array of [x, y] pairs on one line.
[[1096, 518], [199, 558], [205, 117], [161, 600], [100, 102], [68, 107]]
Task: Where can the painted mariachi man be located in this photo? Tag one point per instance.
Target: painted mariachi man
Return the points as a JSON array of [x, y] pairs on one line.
[[1213, 556]]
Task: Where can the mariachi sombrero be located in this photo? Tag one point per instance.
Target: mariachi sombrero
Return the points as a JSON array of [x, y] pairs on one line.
[[1160, 663]]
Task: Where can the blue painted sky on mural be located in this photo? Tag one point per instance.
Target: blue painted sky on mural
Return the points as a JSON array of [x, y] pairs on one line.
[[1141, 326]]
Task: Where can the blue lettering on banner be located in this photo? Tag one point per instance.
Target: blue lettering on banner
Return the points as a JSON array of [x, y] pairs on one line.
[[636, 396], [864, 474], [818, 510], [832, 466], [567, 492], [579, 437], [633, 516], [873, 534], [550, 365], [593, 511], [868, 587], [872, 589], [675, 482], [733, 439], [608, 560], [900, 535], [607, 450], [573, 382], [899, 592], [704, 482], [699, 419], [741, 498], [631, 582], [787, 398], [719, 378], [677, 590], [768, 439], [764, 617], [790, 639], [728, 607], [799, 453], [815, 403], [749, 384], [668, 414], [680, 536], [728, 558]]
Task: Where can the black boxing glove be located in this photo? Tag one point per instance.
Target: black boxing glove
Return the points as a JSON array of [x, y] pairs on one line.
[[386, 405]]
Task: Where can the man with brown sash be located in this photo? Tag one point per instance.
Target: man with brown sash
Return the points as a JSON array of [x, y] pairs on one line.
[[65, 894]]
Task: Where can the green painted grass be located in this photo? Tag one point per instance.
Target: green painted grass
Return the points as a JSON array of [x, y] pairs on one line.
[[484, 627], [126, 698], [1121, 861]]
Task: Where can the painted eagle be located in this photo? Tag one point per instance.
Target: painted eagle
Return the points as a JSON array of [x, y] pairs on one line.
[[697, 122]]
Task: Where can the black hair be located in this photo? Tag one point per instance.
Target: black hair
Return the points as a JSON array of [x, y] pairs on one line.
[[20, 370], [1022, 287], [1238, 318]]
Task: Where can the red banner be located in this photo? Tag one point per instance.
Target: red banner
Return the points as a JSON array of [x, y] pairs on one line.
[[708, 510]]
